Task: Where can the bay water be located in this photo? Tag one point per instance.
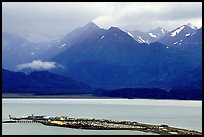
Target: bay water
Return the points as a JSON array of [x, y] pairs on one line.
[[185, 114]]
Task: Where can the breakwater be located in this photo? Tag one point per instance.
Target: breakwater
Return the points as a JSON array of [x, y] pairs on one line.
[[102, 124]]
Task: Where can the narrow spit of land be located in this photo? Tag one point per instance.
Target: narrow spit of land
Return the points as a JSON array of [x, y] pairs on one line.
[[102, 124]]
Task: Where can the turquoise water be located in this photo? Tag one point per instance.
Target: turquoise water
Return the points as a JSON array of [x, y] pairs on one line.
[[177, 113]]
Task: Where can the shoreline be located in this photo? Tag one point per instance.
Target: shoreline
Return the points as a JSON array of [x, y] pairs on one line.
[[75, 96]]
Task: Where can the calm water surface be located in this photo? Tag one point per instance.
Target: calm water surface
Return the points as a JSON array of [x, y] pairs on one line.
[[176, 113]]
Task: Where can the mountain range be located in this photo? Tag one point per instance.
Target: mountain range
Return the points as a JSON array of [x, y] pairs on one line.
[[45, 83], [113, 59], [17, 50], [41, 83], [149, 36]]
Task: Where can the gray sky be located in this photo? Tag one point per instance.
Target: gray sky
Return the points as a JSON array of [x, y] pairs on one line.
[[54, 19]]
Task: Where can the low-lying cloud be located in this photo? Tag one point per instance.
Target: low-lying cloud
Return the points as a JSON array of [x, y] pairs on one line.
[[38, 65]]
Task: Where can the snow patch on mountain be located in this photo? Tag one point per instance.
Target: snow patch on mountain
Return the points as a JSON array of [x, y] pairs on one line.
[[193, 33], [176, 32], [176, 42], [62, 46], [130, 34], [152, 35], [162, 30], [188, 34], [141, 40]]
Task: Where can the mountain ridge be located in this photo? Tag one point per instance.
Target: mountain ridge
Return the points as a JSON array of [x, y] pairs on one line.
[[113, 59]]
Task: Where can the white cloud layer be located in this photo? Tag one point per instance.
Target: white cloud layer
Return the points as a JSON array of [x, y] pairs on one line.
[[55, 19], [37, 65]]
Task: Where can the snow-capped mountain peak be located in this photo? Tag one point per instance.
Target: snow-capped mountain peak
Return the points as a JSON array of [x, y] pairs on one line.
[[192, 26], [179, 36], [149, 36], [177, 31]]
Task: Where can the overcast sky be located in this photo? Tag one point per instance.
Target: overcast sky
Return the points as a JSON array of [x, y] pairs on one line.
[[58, 18]]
